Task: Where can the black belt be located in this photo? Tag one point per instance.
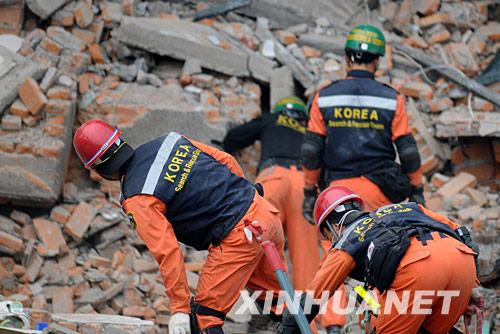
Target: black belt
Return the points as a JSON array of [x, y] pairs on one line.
[[282, 162]]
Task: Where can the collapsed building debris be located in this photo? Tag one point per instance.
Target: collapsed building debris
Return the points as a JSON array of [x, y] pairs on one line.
[[149, 67]]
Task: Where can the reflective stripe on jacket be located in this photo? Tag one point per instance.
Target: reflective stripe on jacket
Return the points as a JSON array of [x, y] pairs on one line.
[[204, 199]]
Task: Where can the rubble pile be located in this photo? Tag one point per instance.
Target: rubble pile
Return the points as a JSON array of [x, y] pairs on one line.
[[199, 67]]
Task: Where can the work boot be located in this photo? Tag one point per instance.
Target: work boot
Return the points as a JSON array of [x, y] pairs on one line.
[[333, 329]]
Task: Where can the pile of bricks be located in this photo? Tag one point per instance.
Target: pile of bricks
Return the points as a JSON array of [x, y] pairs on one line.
[[146, 69]]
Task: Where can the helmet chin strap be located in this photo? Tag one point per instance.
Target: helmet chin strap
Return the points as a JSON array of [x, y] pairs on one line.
[[335, 236]]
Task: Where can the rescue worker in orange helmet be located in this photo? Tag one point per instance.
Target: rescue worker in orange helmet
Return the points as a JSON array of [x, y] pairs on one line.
[[280, 173], [400, 249], [177, 189]]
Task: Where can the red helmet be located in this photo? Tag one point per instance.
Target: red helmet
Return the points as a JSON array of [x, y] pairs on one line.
[[330, 198], [93, 139]]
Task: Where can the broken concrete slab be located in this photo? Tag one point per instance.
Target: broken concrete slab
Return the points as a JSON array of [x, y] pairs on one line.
[[281, 84], [44, 8], [324, 43], [183, 40], [460, 123], [14, 69], [300, 72], [452, 74], [108, 323]]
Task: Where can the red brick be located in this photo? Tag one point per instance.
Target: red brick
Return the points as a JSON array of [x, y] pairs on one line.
[[310, 52], [90, 329], [441, 104], [10, 16], [58, 107], [79, 221], [19, 108], [416, 41], [479, 151], [51, 46], [53, 129], [11, 242], [83, 14], [63, 18], [97, 54], [84, 34], [51, 235], [438, 180], [440, 37], [482, 172], [31, 121], [26, 50], [59, 214], [20, 217], [7, 147], [457, 184], [32, 96], [19, 270], [457, 156], [62, 300], [477, 196], [59, 93], [416, 89], [9, 31], [285, 37], [12, 123], [430, 20], [83, 84]]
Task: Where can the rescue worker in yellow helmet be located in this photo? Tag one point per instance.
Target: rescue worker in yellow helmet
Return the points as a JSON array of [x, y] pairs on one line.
[[280, 173], [175, 189]]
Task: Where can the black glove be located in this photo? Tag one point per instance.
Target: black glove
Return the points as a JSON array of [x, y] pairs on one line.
[[464, 235], [308, 205], [289, 325], [260, 189], [417, 195]]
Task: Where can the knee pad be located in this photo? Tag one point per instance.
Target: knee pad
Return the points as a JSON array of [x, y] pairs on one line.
[[213, 330]]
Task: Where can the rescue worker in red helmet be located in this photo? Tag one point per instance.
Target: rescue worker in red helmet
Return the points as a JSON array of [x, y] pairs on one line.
[[280, 173], [399, 249], [175, 189]]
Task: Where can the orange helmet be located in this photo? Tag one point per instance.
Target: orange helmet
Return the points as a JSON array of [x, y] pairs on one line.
[[93, 139], [331, 199]]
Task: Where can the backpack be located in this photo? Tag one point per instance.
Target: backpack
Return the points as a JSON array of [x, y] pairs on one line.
[[384, 254]]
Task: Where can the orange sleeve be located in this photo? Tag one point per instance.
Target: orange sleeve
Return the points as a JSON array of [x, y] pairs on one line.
[[416, 177], [440, 218], [150, 223], [337, 266], [311, 176], [316, 122], [400, 126], [221, 156]]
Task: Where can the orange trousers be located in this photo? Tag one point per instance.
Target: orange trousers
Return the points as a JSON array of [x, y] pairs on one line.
[[442, 273], [284, 188], [373, 199], [235, 264]]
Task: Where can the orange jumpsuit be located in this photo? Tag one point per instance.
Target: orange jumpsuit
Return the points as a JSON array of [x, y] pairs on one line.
[[282, 179], [444, 264], [232, 264]]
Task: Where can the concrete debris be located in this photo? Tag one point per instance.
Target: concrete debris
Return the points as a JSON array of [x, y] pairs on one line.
[[141, 67]]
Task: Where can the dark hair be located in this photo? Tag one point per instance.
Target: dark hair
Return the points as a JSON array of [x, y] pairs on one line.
[[359, 57]]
